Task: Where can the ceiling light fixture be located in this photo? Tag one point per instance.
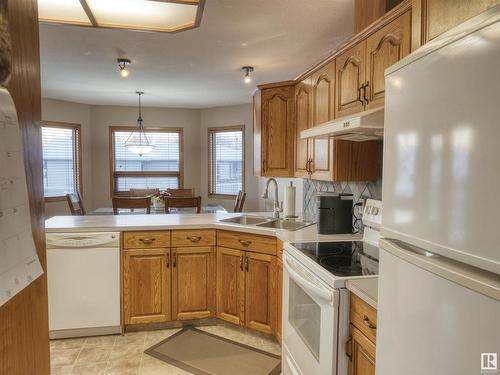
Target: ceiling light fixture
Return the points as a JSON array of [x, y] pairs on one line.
[[247, 70], [138, 142], [122, 66]]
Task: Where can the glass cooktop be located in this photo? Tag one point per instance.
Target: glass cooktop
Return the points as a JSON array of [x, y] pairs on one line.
[[343, 259]]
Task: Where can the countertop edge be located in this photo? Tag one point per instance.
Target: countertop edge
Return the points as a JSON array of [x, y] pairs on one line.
[[354, 287]]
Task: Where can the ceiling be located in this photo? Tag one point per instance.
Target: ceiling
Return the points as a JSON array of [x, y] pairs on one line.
[[198, 68]]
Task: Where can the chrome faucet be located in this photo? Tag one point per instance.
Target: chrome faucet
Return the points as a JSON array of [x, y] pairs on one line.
[[277, 208]]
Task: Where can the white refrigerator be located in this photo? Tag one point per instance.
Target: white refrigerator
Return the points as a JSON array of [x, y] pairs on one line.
[[439, 283]]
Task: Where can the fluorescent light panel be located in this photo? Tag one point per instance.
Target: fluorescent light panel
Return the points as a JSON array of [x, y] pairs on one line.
[[62, 11], [151, 15]]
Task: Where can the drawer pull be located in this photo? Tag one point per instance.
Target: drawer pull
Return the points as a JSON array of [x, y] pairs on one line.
[[193, 238], [245, 242], [366, 322], [147, 241], [241, 263]]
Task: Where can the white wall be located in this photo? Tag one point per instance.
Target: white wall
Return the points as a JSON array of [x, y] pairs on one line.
[[60, 111], [103, 117], [229, 116]]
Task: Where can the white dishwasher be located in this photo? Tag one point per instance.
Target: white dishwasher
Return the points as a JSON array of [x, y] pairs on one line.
[[83, 273]]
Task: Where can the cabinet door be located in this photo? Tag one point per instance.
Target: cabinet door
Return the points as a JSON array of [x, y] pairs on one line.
[[323, 111], [384, 48], [278, 131], [257, 133], [303, 118], [350, 68], [362, 354], [230, 285], [260, 292], [146, 285], [193, 282]]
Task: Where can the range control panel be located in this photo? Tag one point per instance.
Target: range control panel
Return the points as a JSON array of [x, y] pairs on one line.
[[372, 214]]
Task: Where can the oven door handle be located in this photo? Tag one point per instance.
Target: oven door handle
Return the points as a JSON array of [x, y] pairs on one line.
[[307, 285]]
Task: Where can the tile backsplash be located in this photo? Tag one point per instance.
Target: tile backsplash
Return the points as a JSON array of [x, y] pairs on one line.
[[360, 190]]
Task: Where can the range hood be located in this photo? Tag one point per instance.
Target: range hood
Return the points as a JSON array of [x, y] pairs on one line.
[[364, 126]]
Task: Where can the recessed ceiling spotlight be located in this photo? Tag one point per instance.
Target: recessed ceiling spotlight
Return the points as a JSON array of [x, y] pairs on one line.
[[247, 70], [122, 65]]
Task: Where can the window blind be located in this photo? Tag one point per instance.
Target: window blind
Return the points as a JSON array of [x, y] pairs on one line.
[[60, 160], [159, 169], [226, 164]]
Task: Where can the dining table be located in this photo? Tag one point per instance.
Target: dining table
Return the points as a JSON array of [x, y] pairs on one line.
[[154, 211]]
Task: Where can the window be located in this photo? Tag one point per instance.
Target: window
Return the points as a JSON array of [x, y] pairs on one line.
[[226, 162], [159, 169], [61, 144]]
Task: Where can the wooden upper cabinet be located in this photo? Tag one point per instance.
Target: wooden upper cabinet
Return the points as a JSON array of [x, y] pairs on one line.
[[303, 121], [323, 89], [146, 285], [257, 133], [274, 129], [193, 282], [231, 285], [350, 67], [431, 18], [260, 292], [384, 48]]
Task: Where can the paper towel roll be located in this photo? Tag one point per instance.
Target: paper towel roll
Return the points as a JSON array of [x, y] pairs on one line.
[[290, 200]]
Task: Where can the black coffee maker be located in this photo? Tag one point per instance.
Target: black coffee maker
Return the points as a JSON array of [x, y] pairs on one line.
[[335, 213]]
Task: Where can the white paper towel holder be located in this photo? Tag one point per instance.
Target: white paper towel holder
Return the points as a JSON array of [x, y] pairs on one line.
[[291, 216]]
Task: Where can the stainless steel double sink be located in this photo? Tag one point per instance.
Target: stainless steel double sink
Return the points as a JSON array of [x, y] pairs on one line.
[[268, 222]]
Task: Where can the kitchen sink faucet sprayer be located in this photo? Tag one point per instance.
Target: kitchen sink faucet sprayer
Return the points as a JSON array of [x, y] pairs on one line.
[[277, 207]]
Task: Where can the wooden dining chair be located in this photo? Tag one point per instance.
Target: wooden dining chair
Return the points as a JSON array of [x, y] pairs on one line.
[[131, 203], [181, 192], [183, 202], [240, 201], [143, 192], [75, 204]]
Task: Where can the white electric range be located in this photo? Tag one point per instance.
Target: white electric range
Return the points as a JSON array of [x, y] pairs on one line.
[[315, 301]]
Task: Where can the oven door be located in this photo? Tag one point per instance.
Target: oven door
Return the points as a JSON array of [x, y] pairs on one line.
[[310, 321]]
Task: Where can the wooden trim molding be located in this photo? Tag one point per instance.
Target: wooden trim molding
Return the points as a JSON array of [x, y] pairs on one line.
[[210, 132], [114, 174], [77, 151]]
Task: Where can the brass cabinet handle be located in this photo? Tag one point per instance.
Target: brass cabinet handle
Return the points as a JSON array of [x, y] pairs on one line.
[[365, 87], [348, 348], [368, 323], [241, 263], [168, 260], [246, 263], [245, 242], [147, 241], [361, 97], [174, 259], [193, 238], [311, 161]]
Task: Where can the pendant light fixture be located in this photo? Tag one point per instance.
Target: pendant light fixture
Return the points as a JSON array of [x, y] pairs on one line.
[[138, 142], [247, 69], [122, 67]]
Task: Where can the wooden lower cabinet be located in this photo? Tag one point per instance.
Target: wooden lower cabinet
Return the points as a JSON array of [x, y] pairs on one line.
[[246, 288], [193, 282], [146, 285], [260, 292], [363, 330], [362, 354], [231, 285]]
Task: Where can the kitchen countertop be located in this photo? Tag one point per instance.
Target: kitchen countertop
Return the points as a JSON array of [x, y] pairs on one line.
[[366, 289], [119, 223]]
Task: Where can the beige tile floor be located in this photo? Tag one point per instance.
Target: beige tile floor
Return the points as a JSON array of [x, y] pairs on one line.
[[124, 355]]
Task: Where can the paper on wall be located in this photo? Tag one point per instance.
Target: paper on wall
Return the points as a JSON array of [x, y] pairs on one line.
[[19, 263]]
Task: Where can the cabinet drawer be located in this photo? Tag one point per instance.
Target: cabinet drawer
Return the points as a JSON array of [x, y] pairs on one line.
[[190, 237], [363, 317], [247, 241], [146, 239]]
